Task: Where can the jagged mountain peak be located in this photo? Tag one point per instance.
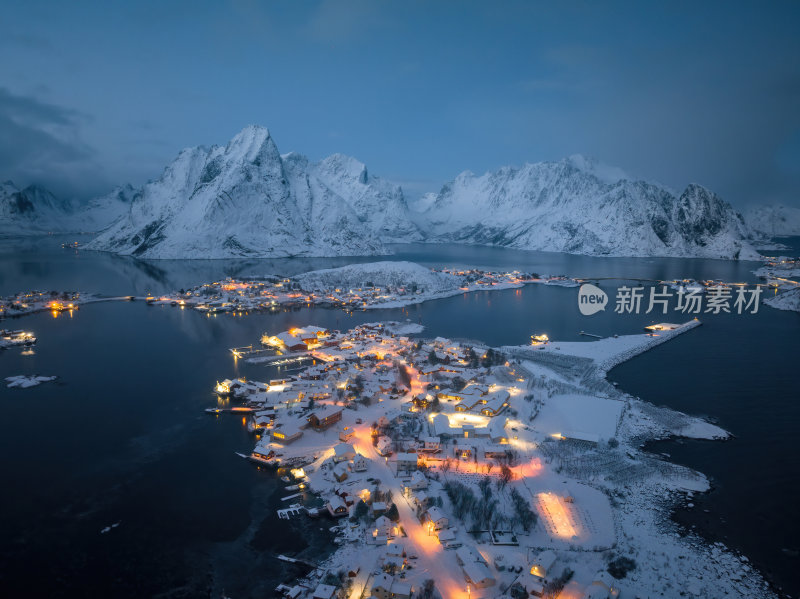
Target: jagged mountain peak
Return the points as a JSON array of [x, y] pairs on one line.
[[245, 199], [593, 166], [351, 167], [579, 206], [251, 144]]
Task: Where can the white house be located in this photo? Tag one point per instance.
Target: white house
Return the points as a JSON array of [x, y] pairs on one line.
[[346, 434], [437, 517], [406, 462], [431, 443], [418, 481], [448, 539], [478, 574], [343, 452], [360, 463], [543, 564], [384, 445], [474, 567], [420, 498], [383, 525], [386, 587], [324, 591], [602, 587]]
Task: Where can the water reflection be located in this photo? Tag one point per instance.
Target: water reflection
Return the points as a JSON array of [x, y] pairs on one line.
[[33, 263]]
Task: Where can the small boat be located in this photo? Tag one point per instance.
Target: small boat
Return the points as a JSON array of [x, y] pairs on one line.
[[15, 338]]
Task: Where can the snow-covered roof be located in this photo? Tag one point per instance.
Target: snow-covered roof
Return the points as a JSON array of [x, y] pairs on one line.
[[435, 513], [325, 412], [382, 581], [546, 559], [446, 535], [477, 572], [418, 477], [343, 449], [324, 591], [336, 502], [406, 457]]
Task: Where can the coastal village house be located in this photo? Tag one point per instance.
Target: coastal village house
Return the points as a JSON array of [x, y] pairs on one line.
[[543, 564], [343, 452], [360, 463], [602, 587], [475, 568], [387, 587], [325, 418], [324, 591], [437, 518], [336, 506], [286, 434], [418, 481], [406, 462]]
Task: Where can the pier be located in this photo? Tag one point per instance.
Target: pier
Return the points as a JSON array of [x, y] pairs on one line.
[[293, 510], [585, 334], [294, 560]]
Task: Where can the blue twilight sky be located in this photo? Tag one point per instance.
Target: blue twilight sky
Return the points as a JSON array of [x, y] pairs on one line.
[[95, 94]]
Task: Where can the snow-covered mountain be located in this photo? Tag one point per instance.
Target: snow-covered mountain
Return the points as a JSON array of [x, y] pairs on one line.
[[379, 204], [581, 207], [100, 212], [31, 210], [773, 220], [35, 210], [245, 199]]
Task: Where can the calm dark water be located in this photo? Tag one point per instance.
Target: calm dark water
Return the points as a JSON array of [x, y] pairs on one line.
[[39, 262], [122, 436], [743, 372]]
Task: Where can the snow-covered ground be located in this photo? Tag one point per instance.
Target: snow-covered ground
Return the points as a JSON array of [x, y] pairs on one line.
[[788, 300]]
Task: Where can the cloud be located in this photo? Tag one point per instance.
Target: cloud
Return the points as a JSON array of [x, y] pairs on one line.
[[41, 143]]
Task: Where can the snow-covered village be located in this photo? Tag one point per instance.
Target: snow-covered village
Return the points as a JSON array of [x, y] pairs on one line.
[[455, 470]]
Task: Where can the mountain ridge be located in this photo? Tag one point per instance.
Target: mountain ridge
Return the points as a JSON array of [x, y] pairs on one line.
[[246, 199]]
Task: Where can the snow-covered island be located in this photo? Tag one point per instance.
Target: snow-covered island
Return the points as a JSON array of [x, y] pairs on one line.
[[787, 300], [365, 286], [463, 471], [30, 302], [779, 273], [22, 381]]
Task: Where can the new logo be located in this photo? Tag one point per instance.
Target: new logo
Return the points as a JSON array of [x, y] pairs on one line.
[[591, 299]]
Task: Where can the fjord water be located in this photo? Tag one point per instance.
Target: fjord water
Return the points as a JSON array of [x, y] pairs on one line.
[[122, 436]]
